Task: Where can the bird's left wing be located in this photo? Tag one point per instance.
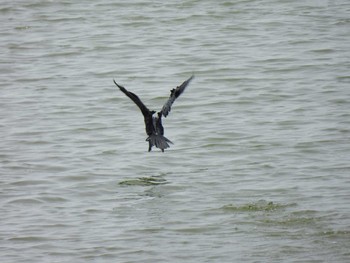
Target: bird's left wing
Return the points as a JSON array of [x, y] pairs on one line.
[[134, 98]]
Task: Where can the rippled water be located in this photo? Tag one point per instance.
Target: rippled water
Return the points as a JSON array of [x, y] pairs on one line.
[[259, 169]]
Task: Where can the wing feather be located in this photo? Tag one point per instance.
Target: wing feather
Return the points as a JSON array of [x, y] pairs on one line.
[[174, 94], [145, 111]]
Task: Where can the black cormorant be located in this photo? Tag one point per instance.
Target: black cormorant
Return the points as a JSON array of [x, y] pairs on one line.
[[154, 127]]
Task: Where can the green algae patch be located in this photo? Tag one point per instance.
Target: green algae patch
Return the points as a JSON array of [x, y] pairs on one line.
[[260, 205], [144, 181]]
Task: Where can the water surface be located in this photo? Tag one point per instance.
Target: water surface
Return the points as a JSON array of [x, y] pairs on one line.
[[259, 169]]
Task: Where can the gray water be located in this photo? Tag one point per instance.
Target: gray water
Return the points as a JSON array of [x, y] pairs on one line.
[[259, 169]]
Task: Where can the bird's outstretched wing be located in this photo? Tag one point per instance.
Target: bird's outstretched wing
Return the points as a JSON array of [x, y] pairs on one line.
[[175, 93], [134, 98]]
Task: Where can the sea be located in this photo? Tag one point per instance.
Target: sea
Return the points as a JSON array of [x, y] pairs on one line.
[[259, 168]]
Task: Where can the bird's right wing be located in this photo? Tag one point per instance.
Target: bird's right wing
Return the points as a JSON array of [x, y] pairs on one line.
[[134, 98], [175, 93]]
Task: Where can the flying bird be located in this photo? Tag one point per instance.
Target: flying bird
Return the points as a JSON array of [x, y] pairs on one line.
[[154, 127]]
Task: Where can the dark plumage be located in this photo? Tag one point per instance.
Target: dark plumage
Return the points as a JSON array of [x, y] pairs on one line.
[[154, 127]]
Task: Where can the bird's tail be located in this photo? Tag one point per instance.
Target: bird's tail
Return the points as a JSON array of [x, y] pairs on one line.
[[159, 141]]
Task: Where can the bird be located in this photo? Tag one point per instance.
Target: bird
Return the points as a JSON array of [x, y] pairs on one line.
[[153, 119]]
